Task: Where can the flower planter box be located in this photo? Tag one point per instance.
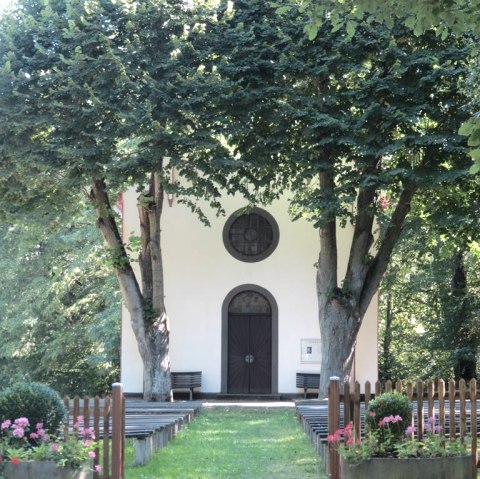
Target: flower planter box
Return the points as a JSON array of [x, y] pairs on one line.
[[42, 470], [411, 468]]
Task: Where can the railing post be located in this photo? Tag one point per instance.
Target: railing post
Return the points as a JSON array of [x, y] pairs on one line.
[[333, 425], [473, 422], [117, 431]]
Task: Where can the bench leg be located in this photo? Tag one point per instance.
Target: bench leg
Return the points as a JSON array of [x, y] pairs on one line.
[[191, 394], [304, 393]]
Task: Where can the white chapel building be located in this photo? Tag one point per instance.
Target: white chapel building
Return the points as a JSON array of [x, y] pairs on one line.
[[241, 298]]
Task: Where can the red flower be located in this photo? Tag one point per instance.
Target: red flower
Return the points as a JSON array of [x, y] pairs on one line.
[[15, 460], [348, 431]]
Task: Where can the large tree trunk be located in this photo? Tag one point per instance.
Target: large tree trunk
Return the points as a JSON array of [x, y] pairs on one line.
[[156, 370], [464, 354], [341, 310], [147, 311]]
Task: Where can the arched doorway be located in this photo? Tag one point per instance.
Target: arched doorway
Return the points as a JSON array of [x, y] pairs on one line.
[[250, 332]]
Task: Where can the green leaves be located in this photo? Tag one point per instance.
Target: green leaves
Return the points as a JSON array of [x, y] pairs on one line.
[[471, 128]]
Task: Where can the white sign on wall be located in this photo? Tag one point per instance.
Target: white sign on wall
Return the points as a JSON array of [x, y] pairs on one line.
[[310, 350]]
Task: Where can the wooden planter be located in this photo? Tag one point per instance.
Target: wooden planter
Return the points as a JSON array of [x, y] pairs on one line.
[[411, 468], [42, 470]]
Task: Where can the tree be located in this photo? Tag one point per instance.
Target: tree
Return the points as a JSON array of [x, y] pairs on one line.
[[428, 324], [59, 321], [96, 96], [339, 120], [441, 16]]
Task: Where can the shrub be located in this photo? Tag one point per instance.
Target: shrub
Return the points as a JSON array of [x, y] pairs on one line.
[[37, 402], [393, 409]]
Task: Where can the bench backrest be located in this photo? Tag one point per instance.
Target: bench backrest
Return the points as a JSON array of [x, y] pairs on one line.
[[186, 379]]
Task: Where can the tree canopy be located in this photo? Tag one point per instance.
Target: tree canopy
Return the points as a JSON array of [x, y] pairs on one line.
[[60, 308], [440, 16], [95, 97], [98, 95], [369, 120]]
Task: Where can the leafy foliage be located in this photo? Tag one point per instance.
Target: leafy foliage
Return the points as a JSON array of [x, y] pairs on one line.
[[37, 402], [60, 305], [440, 16], [429, 328], [386, 405], [98, 96], [338, 121]]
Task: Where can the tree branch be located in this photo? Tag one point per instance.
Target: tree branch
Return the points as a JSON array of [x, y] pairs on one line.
[[362, 241], [327, 259], [380, 262]]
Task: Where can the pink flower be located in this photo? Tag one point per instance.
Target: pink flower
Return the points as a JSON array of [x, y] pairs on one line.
[[39, 425], [410, 430], [15, 460], [398, 418], [6, 424], [54, 447], [336, 436], [45, 438], [87, 443], [372, 413], [350, 442], [41, 432], [22, 422], [98, 468], [34, 435], [18, 432], [383, 201], [88, 433], [80, 419], [348, 430], [92, 455]]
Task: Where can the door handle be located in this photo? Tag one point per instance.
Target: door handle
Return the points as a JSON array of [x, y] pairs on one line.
[[249, 358]]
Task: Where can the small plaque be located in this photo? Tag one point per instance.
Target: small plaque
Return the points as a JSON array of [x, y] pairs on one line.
[[310, 350]]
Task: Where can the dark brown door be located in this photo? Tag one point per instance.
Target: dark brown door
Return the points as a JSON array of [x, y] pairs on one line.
[[249, 347]]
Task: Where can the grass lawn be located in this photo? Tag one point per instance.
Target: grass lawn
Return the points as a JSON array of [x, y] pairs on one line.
[[234, 443]]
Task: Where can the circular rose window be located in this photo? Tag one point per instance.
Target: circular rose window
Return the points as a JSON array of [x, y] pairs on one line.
[[251, 236]]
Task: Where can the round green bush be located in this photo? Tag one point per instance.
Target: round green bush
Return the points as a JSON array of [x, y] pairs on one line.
[[389, 405], [35, 401]]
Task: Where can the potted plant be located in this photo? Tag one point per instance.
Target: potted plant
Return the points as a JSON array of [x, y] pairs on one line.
[[391, 449], [32, 416], [27, 452]]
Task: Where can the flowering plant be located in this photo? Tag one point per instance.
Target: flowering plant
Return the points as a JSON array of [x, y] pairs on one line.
[[393, 436], [19, 442]]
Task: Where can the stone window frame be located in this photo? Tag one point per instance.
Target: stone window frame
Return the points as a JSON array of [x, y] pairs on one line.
[[248, 258]]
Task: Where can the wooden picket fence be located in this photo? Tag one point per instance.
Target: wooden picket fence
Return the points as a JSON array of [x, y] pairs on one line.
[[454, 406], [107, 418]]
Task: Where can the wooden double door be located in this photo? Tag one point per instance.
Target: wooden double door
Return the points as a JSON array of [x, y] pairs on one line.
[[250, 345]]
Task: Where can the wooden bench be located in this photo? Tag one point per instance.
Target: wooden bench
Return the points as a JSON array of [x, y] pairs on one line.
[[308, 381], [186, 380]]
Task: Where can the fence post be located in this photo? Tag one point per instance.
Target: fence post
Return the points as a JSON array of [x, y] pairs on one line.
[[356, 410], [420, 409], [451, 400], [117, 431], [441, 406], [473, 421], [333, 425]]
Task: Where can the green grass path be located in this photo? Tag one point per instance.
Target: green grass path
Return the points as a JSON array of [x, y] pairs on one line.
[[235, 444]]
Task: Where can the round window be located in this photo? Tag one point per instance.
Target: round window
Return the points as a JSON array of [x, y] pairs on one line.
[[251, 236]]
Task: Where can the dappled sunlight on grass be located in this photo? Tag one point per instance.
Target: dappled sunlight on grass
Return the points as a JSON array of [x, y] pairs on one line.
[[236, 444]]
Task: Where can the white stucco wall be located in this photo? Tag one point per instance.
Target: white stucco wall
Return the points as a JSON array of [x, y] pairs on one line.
[[199, 273]]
